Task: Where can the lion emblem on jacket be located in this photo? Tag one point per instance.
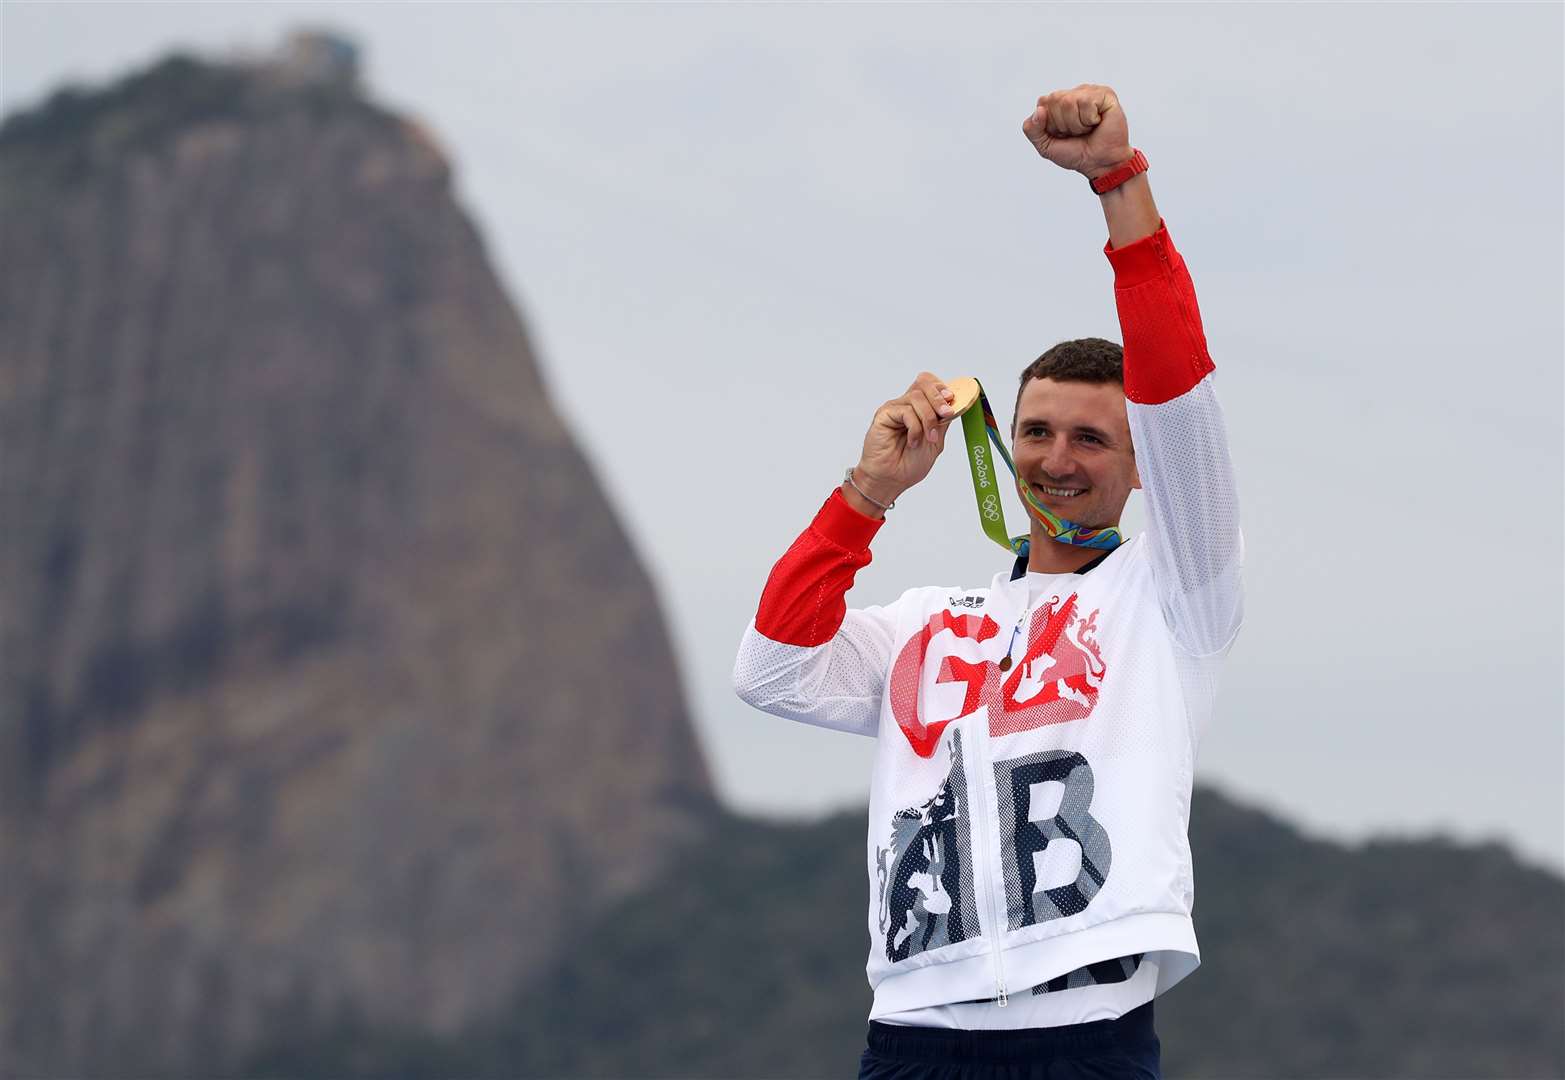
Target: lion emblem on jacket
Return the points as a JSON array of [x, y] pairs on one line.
[[925, 873]]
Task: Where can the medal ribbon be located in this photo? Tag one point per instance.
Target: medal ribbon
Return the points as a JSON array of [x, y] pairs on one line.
[[979, 432]]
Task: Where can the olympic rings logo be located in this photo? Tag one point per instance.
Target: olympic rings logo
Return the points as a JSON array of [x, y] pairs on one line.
[[991, 507]]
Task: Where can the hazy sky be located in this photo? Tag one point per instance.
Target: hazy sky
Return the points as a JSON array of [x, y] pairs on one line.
[[735, 230]]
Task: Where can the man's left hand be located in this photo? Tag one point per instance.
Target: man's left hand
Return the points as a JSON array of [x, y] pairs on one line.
[[1083, 130]]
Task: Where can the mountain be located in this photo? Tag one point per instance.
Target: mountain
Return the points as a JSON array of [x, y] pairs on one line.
[[331, 680]]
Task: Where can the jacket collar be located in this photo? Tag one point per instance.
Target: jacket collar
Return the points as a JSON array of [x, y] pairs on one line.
[[1019, 570]]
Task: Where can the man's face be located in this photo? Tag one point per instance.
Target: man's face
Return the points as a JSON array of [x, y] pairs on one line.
[[1071, 445]]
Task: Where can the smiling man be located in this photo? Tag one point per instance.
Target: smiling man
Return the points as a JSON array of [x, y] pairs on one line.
[[1072, 445], [1028, 862]]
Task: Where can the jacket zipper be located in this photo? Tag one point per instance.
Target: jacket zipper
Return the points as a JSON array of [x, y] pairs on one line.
[[1001, 997]]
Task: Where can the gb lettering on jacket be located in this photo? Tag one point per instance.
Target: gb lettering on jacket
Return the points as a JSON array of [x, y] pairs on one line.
[[1055, 681], [926, 889]]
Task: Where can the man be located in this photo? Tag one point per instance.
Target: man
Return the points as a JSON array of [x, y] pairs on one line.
[[1029, 868]]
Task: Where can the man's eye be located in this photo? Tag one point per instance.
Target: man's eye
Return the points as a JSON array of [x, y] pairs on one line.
[[1092, 438]]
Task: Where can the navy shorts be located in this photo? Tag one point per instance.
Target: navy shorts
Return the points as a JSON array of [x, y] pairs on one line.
[[1122, 1049]]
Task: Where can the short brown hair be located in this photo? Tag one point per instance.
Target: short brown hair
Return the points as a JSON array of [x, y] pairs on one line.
[[1089, 360]]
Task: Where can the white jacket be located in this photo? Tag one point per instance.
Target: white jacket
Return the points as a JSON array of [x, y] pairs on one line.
[[1028, 823]]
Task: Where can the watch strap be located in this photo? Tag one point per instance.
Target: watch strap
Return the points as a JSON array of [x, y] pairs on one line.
[[1117, 176]]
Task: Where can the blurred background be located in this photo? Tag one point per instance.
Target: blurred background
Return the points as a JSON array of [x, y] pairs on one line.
[[401, 406]]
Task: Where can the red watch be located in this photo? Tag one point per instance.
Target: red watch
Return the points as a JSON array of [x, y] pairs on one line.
[[1117, 176]]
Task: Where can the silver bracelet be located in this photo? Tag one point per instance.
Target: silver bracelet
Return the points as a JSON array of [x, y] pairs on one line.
[[848, 476]]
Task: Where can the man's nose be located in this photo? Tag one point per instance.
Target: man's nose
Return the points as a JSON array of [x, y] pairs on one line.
[[1057, 460]]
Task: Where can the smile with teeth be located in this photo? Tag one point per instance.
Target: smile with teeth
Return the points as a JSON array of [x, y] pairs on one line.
[[1059, 493]]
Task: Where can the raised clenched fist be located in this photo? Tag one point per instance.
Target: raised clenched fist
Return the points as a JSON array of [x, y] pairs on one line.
[[1082, 129]]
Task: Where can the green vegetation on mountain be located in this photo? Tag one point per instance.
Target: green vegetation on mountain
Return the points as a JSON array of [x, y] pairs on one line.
[[1391, 959]]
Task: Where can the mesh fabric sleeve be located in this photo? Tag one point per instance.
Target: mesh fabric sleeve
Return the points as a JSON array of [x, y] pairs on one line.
[[805, 656], [1181, 443]]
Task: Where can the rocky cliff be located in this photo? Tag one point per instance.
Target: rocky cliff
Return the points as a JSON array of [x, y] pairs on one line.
[[330, 680]]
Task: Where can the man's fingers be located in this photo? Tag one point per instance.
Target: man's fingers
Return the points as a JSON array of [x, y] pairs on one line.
[[1070, 117], [1059, 125], [1071, 112], [1037, 120], [1051, 126], [922, 413], [939, 397], [939, 400], [1063, 123], [902, 415], [937, 393], [925, 412]]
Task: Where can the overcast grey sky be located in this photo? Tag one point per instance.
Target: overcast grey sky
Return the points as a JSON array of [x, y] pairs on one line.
[[735, 230]]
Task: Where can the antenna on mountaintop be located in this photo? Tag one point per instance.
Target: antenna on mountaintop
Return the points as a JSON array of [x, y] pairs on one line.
[[318, 56]]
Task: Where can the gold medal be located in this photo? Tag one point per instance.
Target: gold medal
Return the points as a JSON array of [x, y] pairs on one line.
[[964, 393]]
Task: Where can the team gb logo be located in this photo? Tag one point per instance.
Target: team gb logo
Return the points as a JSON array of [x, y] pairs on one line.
[[1056, 680]]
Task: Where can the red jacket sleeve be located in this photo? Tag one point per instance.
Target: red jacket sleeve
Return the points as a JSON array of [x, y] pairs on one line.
[[803, 602], [1165, 346]]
